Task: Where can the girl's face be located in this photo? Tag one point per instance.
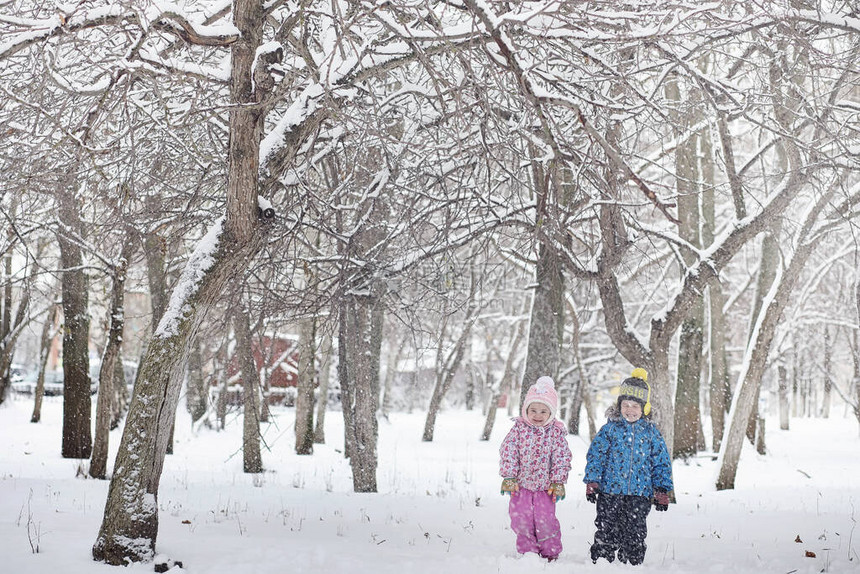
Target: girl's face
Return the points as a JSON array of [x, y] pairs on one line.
[[631, 410], [538, 414]]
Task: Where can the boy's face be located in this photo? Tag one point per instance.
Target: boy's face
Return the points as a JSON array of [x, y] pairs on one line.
[[631, 410], [538, 414]]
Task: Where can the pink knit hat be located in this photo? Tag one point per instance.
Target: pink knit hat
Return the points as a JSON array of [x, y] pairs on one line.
[[543, 392]]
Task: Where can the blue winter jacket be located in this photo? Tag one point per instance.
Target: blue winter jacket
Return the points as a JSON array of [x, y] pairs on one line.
[[629, 458]]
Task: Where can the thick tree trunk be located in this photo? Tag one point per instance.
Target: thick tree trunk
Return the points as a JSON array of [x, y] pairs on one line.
[[361, 339], [252, 461], [112, 353], [130, 525], [546, 321], [304, 424], [77, 435], [687, 418]]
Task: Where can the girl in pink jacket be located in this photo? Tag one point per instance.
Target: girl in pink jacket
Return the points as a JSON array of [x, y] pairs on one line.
[[535, 462]]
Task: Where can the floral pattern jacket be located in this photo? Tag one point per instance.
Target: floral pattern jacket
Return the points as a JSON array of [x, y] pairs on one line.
[[628, 458], [535, 456]]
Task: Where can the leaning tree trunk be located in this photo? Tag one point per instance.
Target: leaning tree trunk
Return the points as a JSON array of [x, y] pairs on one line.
[[446, 368], [49, 331], [506, 380], [770, 258], [755, 361], [252, 461], [304, 425], [107, 370], [130, 525]]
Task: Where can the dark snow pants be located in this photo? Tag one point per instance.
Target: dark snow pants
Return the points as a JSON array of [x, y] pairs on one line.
[[621, 527]]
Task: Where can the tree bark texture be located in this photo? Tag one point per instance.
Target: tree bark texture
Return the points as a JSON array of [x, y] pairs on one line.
[[112, 354], [304, 425], [197, 393], [828, 374], [77, 435], [546, 322], [324, 380], [130, 525], [361, 335], [252, 460]]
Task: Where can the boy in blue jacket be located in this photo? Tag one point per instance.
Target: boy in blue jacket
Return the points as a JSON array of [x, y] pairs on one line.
[[627, 465]]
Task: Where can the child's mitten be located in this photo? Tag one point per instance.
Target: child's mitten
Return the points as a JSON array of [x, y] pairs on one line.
[[661, 500], [591, 490], [556, 491], [509, 485]]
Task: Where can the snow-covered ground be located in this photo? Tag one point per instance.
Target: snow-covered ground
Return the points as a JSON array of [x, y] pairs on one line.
[[438, 508]]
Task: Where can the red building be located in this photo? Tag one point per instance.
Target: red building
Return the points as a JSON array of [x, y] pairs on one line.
[[277, 359]]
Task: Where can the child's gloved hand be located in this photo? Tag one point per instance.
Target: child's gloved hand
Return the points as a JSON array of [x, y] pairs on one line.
[[556, 491], [661, 500], [509, 486], [591, 490]]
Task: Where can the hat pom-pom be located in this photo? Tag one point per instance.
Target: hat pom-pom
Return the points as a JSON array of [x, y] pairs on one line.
[[640, 373], [544, 385]]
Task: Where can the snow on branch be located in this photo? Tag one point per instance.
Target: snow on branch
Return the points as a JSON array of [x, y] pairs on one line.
[[199, 263], [163, 16]]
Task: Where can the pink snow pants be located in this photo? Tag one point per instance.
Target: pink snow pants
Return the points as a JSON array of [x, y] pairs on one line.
[[534, 522]]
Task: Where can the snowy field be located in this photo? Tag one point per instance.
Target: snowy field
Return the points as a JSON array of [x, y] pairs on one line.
[[438, 509]]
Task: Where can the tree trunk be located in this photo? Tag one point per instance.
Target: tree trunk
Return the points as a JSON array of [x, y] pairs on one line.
[[49, 331], [784, 405], [361, 338], [252, 461], [197, 393], [324, 379], [505, 384], [119, 401], [767, 272], [77, 436], [448, 365], [755, 360], [828, 374], [112, 352], [546, 321], [130, 525], [304, 425], [687, 418]]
